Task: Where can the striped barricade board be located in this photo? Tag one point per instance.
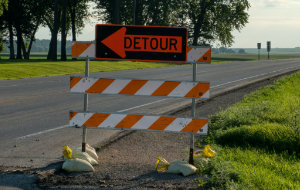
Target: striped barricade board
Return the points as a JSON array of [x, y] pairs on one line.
[[139, 87], [198, 55], [194, 54], [138, 122], [83, 50]]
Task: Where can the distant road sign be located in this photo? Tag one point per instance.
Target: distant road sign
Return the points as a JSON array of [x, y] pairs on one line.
[[268, 46], [145, 43], [198, 54], [258, 45]]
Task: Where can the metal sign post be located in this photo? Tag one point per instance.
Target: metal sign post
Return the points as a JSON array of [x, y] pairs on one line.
[[268, 48], [191, 157], [85, 106]]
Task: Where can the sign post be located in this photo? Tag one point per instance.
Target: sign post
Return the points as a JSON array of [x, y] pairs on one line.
[[85, 106], [268, 48]]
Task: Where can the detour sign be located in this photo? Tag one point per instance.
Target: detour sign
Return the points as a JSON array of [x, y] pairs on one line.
[[145, 43]]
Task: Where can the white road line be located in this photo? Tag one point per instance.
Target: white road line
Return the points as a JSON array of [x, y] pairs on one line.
[[252, 77], [65, 126], [42, 132], [143, 105]]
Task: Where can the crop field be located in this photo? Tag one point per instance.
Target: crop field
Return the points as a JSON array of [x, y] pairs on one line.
[[258, 140]]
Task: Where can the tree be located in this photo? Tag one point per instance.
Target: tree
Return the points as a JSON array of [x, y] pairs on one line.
[[3, 7], [53, 15], [79, 12], [147, 12], [63, 31], [22, 18], [242, 51], [214, 20]]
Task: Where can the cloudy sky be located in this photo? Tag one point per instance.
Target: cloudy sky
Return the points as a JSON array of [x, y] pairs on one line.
[[270, 20]]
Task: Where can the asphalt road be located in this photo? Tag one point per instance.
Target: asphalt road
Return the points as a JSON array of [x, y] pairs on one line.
[[37, 105]]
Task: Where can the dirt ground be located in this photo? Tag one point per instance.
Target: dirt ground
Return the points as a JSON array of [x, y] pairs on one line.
[[128, 160]]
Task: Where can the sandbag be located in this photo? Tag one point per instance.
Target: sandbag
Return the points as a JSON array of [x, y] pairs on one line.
[[84, 156], [77, 165], [208, 152], [90, 150], [181, 167], [161, 164], [67, 152]]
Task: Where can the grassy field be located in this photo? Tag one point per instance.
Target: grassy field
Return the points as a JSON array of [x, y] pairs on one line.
[[38, 66], [258, 140]]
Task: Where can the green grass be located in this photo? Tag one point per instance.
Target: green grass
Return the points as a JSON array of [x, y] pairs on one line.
[[258, 140], [16, 69]]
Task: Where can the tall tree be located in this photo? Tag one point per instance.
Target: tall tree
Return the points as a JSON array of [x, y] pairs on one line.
[[147, 12], [214, 20], [63, 30], [22, 18], [52, 20], [79, 12], [3, 8]]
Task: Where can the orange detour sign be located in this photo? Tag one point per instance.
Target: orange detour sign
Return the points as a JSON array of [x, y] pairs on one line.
[[138, 122], [83, 49], [177, 89], [198, 54], [144, 43]]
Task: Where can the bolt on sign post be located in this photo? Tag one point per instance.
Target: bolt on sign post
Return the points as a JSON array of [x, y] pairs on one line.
[[268, 48], [143, 43], [258, 48]]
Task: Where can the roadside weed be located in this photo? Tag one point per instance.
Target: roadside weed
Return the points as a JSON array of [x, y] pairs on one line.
[[257, 140]]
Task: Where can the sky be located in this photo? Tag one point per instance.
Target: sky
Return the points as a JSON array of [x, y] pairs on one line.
[[277, 21]]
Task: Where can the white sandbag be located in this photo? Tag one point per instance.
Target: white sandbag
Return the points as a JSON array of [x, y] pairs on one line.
[[181, 167], [84, 156], [174, 167], [77, 165], [90, 150]]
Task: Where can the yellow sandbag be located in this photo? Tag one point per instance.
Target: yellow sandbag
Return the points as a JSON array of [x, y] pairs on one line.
[[208, 152], [77, 165], [181, 167], [84, 156], [67, 151], [90, 150], [161, 164]]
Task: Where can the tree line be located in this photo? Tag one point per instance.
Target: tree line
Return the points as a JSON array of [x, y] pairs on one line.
[[207, 21]]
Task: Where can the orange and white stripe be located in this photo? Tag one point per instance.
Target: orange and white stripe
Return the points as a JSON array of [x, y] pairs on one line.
[[139, 87], [198, 55], [83, 50], [138, 122], [194, 54]]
